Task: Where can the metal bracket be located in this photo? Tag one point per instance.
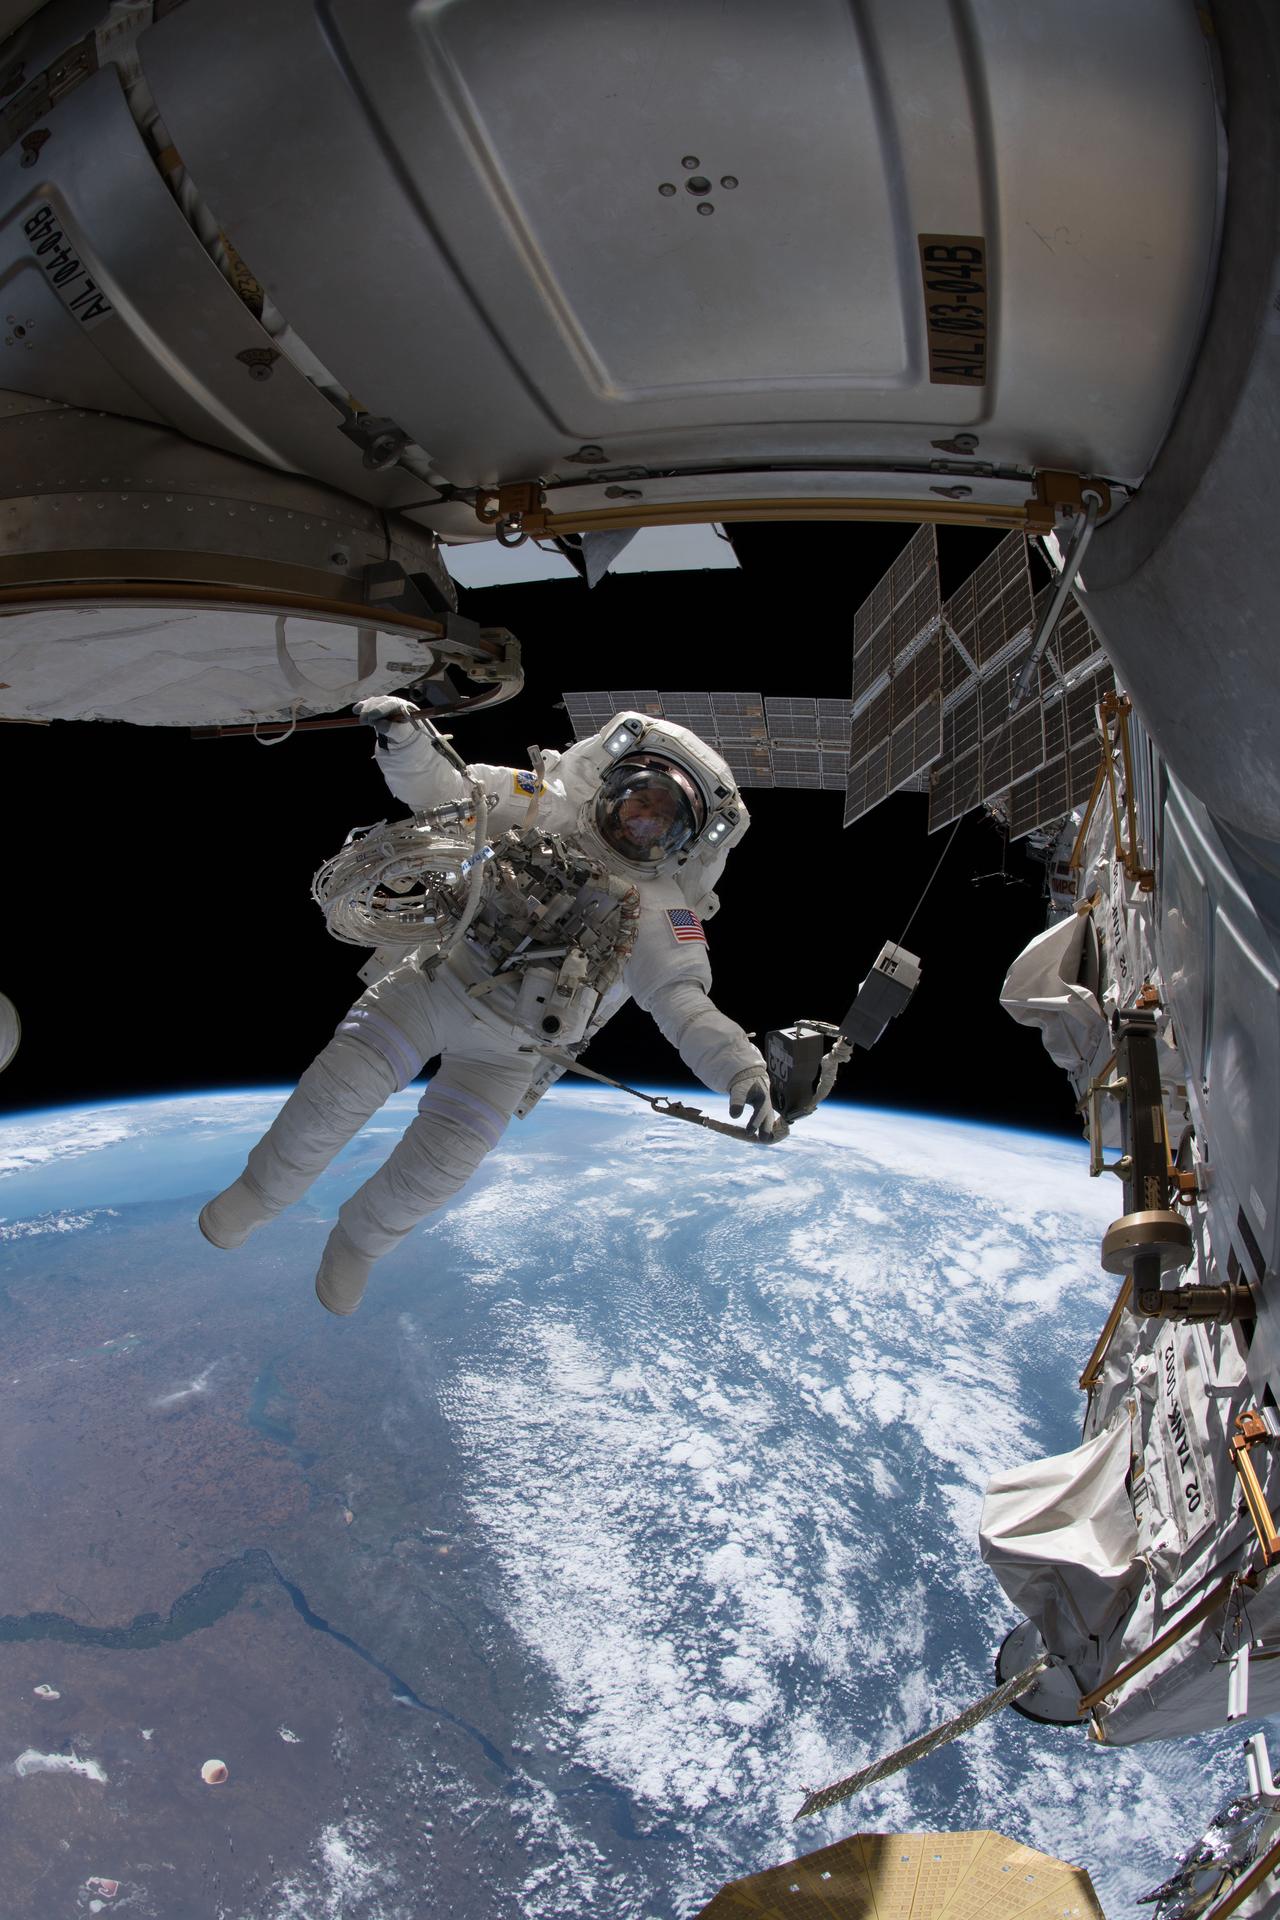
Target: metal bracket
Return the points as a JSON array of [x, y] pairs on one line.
[[487, 656], [1084, 527], [379, 439], [1198, 1304], [1258, 1874], [1116, 1090], [1149, 1240], [519, 511], [1215, 1598], [1062, 495], [42, 93], [514, 512], [1253, 1430], [1115, 709], [386, 584], [486, 653]]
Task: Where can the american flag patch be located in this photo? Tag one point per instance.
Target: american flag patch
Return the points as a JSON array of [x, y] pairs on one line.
[[685, 925]]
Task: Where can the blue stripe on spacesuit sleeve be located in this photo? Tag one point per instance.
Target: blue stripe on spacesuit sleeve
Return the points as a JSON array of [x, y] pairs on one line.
[[376, 1031], [466, 1110]]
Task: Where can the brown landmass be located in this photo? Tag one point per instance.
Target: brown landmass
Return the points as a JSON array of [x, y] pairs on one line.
[[159, 1420]]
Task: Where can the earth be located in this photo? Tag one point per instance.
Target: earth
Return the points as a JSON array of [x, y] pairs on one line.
[[641, 1495]]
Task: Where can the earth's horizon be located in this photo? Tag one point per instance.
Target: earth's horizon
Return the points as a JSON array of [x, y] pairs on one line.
[[640, 1495]]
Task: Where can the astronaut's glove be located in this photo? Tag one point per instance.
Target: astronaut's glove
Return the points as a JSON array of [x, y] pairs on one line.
[[750, 1088], [390, 717]]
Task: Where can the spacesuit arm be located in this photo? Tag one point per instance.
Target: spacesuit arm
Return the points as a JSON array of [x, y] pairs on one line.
[[671, 980], [416, 771], [422, 777], [710, 1044]]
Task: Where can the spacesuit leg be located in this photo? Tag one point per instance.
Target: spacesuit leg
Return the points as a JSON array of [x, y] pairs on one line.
[[461, 1117], [378, 1049]]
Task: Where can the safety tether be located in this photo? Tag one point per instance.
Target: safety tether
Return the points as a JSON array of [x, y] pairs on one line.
[[669, 1109]]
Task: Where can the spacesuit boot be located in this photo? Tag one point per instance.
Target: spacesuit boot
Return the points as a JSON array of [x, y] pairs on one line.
[[461, 1117], [343, 1273], [230, 1217], [346, 1083]]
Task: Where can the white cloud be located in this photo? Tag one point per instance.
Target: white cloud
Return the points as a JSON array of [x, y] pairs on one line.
[[44, 1223], [31, 1761], [36, 1141], [724, 1432]]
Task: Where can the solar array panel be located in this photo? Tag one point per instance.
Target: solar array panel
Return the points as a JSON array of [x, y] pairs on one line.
[[1045, 763], [774, 743], [897, 611], [1049, 747], [914, 744], [794, 768], [795, 721], [588, 712], [1055, 790], [897, 678], [990, 611], [984, 749], [751, 764], [906, 715], [809, 741], [1074, 645], [932, 687], [868, 782], [690, 709], [955, 787]]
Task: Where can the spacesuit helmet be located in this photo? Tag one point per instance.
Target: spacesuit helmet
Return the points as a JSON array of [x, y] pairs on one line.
[[689, 800], [649, 808]]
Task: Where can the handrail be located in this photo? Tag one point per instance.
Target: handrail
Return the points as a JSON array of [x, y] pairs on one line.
[[1251, 1431], [1170, 1637], [1089, 1378]]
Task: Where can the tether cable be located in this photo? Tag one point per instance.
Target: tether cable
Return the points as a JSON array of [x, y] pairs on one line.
[[661, 1103]]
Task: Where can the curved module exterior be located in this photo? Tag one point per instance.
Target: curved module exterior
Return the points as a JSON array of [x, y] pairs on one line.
[[417, 270], [1145, 1561], [1144, 1558]]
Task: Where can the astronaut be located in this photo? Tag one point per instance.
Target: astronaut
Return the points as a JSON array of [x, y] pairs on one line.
[[650, 813]]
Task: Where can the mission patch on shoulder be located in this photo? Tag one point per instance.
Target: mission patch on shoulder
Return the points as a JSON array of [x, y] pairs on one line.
[[526, 783]]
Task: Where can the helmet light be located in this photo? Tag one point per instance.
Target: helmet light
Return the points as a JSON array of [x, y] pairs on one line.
[[721, 826], [623, 738]]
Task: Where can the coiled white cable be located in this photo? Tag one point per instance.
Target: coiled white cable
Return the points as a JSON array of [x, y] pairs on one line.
[[407, 883]]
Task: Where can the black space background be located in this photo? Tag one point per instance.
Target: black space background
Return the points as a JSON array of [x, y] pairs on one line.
[[160, 936]]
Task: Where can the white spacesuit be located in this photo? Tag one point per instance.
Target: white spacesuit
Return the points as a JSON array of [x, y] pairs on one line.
[[648, 813]]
